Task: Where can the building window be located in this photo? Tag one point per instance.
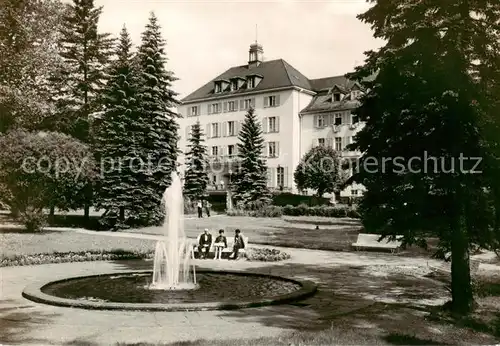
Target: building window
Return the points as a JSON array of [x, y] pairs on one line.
[[338, 143], [194, 111], [215, 108], [338, 119], [280, 176], [215, 130], [248, 103], [356, 94], [231, 106], [354, 118], [214, 179], [321, 142], [321, 121], [215, 151], [354, 192], [231, 128], [234, 85], [218, 87], [272, 149], [231, 150], [272, 124], [251, 83], [336, 97]]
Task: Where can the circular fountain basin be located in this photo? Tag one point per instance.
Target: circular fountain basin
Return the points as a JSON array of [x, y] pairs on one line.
[[215, 290]]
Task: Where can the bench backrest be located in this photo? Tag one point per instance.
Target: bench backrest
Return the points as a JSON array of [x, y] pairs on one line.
[[372, 239]]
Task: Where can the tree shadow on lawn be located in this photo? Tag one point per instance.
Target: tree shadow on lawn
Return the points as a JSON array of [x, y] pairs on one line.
[[349, 297], [16, 323]]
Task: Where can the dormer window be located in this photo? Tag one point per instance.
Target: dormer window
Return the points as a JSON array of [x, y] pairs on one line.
[[218, 87], [336, 97], [355, 94], [234, 85], [251, 82]]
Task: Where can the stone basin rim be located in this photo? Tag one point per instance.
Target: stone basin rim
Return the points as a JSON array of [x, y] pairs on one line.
[[34, 293]]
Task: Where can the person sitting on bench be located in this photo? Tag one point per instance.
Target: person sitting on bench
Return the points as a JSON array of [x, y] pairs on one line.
[[238, 244], [204, 244], [220, 243]]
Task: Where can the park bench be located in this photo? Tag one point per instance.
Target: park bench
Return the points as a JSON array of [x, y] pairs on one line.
[[225, 252], [370, 241]]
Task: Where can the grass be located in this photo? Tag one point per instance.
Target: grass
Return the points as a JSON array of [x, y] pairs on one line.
[[294, 232], [47, 242]]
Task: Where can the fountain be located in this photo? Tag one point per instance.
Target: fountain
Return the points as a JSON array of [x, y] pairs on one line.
[[172, 266], [170, 286]]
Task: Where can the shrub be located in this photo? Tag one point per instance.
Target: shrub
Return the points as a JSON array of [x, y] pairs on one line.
[[326, 211], [287, 198], [33, 219], [266, 255], [267, 211]]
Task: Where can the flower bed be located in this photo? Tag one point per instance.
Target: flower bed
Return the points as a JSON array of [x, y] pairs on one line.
[[266, 255], [64, 257]]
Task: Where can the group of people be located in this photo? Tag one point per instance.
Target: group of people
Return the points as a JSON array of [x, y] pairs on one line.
[[220, 244], [203, 205]]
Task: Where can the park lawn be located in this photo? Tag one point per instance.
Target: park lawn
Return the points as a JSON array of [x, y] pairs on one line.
[[17, 243]]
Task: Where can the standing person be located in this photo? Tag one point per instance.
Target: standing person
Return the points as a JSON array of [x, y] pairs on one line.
[[204, 244], [207, 208], [220, 243], [238, 244], [200, 209]]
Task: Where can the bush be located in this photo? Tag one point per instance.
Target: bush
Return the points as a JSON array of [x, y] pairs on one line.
[[267, 211], [287, 198], [266, 255], [33, 219], [326, 211]]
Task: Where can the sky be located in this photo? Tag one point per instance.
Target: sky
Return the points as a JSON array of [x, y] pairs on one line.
[[205, 38]]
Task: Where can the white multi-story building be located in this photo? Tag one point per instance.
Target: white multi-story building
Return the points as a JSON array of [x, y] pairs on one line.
[[296, 112]]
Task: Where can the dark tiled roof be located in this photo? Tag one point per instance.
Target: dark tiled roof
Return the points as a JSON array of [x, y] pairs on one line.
[[275, 73], [322, 101]]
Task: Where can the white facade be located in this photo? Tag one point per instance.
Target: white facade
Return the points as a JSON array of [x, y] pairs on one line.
[[280, 124]]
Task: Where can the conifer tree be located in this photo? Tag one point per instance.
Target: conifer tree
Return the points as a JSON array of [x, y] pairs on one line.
[[114, 135], [80, 79], [156, 137], [251, 179], [433, 90], [195, 176]]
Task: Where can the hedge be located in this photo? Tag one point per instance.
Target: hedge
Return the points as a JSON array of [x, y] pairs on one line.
[[300, 210], [286, 198]]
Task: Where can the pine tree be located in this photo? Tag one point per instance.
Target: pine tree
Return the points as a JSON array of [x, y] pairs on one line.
[[114, 135], [251, 180], [156, 137], [195, 176], [428, 101], [81, 78]]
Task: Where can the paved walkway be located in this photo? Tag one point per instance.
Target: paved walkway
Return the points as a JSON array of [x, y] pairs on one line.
[[347, 282]]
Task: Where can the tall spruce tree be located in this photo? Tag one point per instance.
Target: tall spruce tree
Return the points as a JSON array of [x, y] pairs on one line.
[[195, 176], [425, 106], [114, 135], [156, 137], [250, 182], [81, 78]]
